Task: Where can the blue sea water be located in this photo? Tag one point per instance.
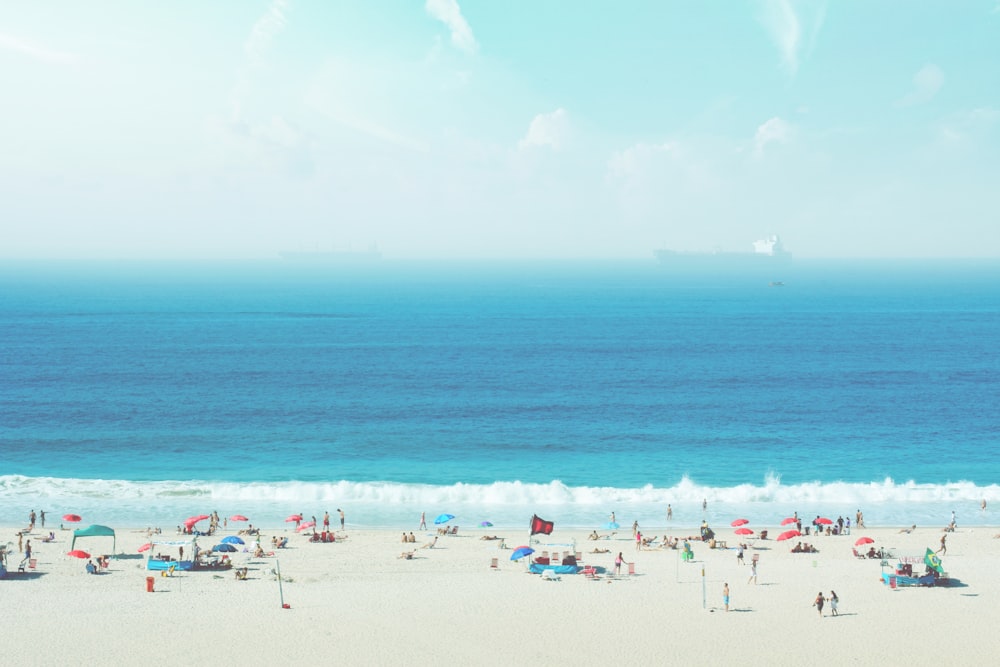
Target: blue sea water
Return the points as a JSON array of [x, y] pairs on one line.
[[142, 394]]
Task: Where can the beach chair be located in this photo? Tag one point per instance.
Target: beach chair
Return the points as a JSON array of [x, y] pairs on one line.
[[32, 563], [631, 568], [549, 575], [589, 572], [857, 555], [493, 564]]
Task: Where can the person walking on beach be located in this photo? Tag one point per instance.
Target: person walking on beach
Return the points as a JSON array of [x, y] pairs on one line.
[[725, 595], [638, 541], [423, 521], [818, 603], [618, 563], [833, 603], [341, 518], [670, 512], [944, 547], [860, 520], [739, 556], [753, 572]]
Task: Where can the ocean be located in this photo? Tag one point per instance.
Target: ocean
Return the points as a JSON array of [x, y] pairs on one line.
[[141, 394]]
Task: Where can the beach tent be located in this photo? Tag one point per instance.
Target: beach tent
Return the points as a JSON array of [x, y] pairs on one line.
[[94, 531]]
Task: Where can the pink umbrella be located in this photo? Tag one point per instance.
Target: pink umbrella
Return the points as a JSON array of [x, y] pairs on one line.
[[78, 554], [791, 519], [294, 517], [823, 520], [739, 522], [191, 520], [864, 540], [145, 547], [72, 518], [743, 531], [238, 517], [788, 534], [307, 524]]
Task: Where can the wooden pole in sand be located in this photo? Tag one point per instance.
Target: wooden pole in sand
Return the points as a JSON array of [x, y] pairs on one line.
[[281, 593], [703, 598]]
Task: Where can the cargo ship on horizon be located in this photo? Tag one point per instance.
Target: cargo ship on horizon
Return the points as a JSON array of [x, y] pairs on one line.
[[765, 252]]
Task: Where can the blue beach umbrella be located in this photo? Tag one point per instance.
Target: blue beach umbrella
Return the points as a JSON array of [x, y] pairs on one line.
[[611, 525], [228, 548], [232, 539], [521, 552], [486, 524], [444, 518]]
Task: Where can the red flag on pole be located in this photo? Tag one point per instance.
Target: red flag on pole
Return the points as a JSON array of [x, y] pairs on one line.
[[540, 526]]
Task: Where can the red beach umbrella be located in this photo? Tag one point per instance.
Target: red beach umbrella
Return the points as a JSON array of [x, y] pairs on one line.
[[294, 517], [743, 531], [145, 547], [191, 520], [791, 519], [823, 520], [739, 522], [863, 540], [72, 518], [307, 524], [788, 534], [238, 517], [77, 553]]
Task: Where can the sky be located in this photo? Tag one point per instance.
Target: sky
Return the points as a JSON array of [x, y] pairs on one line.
[[471, 129]]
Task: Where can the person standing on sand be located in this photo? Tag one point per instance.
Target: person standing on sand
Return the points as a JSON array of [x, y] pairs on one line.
[[326, 522], [423, 521], [753, 572], [834, 600], [725, 595], [818, 603], [341, 518], [618, 563], [635, 527], [860, 520], [739, 556]]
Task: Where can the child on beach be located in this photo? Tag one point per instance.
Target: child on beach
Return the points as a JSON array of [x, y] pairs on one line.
[[818, 603]]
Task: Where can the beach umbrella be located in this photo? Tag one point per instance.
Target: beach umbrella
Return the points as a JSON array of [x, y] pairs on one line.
[[739, 522], [788, 534], [307, 524], [611, 525], [743, 531], [863, 540], [521, 552], [791, 519], [238, 517], [232, 539], [294, 517], [486, 524], [225, 548], [191, 520], [823, 520], [145, 547], [78, 554], [72, 518], [444, 518]]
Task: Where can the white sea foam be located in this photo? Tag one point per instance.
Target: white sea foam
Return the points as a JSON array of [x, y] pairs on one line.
[[503, 503]]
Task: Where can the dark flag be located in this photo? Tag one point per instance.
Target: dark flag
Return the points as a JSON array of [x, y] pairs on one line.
[[540, 526]]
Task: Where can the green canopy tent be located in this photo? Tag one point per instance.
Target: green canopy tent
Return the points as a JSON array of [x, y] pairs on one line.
[[94, 531]]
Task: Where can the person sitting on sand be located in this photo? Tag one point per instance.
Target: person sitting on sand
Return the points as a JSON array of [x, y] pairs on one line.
[[408, 555], [258, 552], [430, 545], [594, 536], [601, 551], [91, 568], [909, 530], [872, 553], [491, 537]]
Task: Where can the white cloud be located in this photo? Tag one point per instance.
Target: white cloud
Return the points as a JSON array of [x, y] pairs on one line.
[[547, 129], [37, 52], [785, 26], [774, 130], [449, 13], [634, 159], [265, 29], [926, 84]]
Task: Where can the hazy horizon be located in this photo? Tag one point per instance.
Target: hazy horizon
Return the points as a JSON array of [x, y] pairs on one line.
[[453, 129]]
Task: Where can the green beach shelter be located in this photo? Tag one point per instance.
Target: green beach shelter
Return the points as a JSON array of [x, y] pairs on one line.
[[94, 531]]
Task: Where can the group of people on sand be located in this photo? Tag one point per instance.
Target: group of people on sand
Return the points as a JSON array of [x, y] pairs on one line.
[[833, 600], [804, 548], [409, 538]]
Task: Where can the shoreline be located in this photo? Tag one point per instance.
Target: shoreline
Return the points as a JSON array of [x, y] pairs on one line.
[[359, 601]]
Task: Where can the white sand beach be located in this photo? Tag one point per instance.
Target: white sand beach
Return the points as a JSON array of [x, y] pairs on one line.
[[356, 601]]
